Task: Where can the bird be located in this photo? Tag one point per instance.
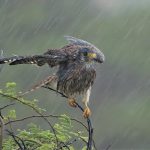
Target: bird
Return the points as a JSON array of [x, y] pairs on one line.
[[76, 71]]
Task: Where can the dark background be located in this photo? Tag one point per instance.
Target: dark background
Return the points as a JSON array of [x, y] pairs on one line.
[[120, 99]]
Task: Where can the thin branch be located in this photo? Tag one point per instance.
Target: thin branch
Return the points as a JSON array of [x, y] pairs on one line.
[[64, 145], [37, 144], [67, 144], [108, 147], [39, 116], [22, 102], [2, 125], [90, 128], [79, 123], [71, 142], [1, 108], [83, 140], [94, 145], [17, 139], [1, 131], [47, 87]]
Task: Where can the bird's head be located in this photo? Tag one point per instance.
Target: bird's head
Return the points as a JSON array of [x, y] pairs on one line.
[[87, 51], [91, 54]]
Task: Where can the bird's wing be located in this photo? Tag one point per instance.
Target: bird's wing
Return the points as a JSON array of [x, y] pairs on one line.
[[39, 60], [36, 59], [70, 51], [64, 54], [56, 56]]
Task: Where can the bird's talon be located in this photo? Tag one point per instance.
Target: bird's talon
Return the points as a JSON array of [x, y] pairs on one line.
[[72, 102], [87, 112]]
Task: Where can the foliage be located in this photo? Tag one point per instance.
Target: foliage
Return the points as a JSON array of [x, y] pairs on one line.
[[61, 135], [36, 138]]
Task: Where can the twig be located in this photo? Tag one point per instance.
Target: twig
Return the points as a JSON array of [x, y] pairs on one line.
[[2, 125], [108, 147], [90, 139], [1, 131], [94, 145], [47, 87], [22, 102], [39, 116], [67, 144], [83, 139], [90, 128], [1, 108], [90, 143], [54, 116], [17, 141], [64, 145], [71, 142]]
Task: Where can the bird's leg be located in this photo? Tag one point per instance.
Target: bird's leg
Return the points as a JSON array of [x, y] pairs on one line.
[[72, 102], [87, 111]]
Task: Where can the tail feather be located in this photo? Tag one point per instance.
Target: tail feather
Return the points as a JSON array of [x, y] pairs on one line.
[[48, 81], [9, 60]]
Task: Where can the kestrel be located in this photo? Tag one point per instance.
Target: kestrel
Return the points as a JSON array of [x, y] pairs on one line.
[[76, 73]]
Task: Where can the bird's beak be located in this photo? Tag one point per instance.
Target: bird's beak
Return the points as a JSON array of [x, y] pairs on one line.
[[100, 58], [91, 55]]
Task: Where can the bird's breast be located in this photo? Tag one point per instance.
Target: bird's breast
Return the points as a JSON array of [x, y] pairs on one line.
[[75, 79]]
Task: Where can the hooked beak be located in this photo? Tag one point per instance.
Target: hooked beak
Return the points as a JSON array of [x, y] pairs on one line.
[[100, 58]]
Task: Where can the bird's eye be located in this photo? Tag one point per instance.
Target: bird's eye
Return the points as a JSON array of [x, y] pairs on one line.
[[85, 53]]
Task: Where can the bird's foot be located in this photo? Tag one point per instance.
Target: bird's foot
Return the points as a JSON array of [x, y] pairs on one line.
[[72, 102], [87, 112]]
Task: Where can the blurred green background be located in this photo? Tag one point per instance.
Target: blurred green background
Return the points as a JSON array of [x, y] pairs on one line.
[[120, 99]]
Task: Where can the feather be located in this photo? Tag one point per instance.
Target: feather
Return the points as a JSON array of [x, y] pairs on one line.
[[48, 81], [39, 60], [76, 41]]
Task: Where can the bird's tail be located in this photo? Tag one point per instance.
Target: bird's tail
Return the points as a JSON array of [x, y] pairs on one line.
[[48, 81]]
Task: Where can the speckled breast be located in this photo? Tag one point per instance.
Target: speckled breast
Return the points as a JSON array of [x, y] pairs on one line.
[[75, 78]]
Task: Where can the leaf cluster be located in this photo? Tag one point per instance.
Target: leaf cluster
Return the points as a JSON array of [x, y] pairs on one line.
[[60, 135]]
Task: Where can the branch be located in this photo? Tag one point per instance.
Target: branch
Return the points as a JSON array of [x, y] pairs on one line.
[[1, 108], [36, 110], [17, 139], [1, 131], [47, 116], [90, 128]]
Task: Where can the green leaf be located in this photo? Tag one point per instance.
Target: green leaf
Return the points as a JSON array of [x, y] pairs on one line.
[[12, 114], [33, 135], [10, 84]]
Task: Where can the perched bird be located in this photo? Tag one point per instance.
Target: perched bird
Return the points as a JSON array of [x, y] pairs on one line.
[[76, 72]]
